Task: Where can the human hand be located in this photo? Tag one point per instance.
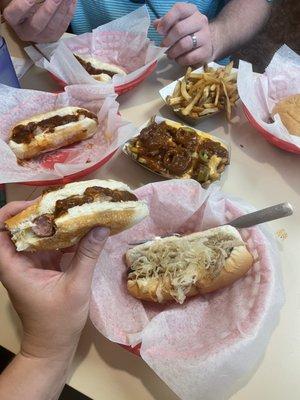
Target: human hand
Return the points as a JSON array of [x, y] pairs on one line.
[[178, 26], [52, 305], [39, 22]]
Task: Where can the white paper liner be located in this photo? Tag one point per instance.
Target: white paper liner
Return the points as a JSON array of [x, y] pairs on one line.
[[261, 93], [123, 42], [19, 104], [208, 347]]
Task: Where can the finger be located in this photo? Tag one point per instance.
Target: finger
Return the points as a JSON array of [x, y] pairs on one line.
[[87, 254], [17, 11], [198, 56], [182, 47], [178, 12], [156, 22], [8, 254], [185, 45], [71, 249], [61, 20], [44, 14], [181, 29], [11, 209]]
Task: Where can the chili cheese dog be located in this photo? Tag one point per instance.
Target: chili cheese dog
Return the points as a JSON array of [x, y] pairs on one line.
[[175, 268], [52, 130], [99, 70], [62, 216]]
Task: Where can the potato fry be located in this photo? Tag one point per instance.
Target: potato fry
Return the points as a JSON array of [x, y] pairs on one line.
[[228, 105], [176, 92], [188, 73], [172, 101], [184, 91], [209, 105], [200, 94], [190, 106], [217, 95], [209, 111]]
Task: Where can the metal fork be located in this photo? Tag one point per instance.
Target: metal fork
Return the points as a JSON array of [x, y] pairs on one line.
[[245, 221]]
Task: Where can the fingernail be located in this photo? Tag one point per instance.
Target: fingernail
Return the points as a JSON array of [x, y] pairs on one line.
[[100, 234]]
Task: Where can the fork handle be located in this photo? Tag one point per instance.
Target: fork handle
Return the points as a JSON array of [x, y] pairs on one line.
[[261, 216]]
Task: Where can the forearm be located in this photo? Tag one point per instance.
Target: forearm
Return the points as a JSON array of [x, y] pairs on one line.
[[236, 24], [29, 377]]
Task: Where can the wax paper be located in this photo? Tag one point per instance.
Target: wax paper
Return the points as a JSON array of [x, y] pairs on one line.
[[261, 93], [19, 104], [123, 42], [208, 347]]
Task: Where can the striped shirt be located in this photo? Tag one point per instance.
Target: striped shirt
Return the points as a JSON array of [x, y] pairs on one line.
[[90, 14]]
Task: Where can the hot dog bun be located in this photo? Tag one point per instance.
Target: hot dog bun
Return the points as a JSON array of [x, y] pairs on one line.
[[175, 268], [64, 215], [99, 70], [52, 130], [289, 111]]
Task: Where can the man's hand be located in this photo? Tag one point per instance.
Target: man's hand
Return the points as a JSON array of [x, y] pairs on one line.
[[39, 23], [53, 305], [178, 26]]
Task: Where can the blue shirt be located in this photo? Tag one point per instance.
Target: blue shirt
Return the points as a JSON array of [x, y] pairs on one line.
[[90, 14]]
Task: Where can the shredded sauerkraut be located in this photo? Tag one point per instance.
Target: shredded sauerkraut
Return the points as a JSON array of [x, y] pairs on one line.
[[181, 262]]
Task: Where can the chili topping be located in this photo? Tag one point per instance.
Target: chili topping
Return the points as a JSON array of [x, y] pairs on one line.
[[25, 133], [90, 195], [176, 152], [92, 70]]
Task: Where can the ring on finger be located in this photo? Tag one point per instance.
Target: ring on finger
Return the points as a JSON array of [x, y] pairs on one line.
[[194, 41]]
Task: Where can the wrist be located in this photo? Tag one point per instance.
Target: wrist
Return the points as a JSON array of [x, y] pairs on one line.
[[56, 350], [215, 40]]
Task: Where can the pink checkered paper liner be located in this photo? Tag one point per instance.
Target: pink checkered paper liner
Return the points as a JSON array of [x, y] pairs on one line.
[[123, 42], [208, 347]]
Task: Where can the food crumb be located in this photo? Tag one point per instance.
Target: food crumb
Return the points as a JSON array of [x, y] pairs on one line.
[[282, 234]]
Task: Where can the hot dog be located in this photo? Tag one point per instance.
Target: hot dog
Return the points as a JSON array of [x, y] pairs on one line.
[[99, 70], [176, 268], [63, 215], [52, 130]]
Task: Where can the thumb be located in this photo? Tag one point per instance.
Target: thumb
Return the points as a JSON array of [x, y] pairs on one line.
[[87, 254]]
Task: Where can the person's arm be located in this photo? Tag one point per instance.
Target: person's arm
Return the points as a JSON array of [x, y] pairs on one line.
[[192, 39], [53, 306], [236, 24], [28, 377]]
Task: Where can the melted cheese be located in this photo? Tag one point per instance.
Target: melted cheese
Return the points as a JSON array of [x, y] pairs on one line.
[[213, 165]]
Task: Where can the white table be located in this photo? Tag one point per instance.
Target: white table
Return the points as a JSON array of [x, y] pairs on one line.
[[261, 174]]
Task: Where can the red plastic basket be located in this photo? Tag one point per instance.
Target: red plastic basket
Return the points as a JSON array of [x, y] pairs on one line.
[[282, 144], [134, 350], [121, 88], [72, 177]]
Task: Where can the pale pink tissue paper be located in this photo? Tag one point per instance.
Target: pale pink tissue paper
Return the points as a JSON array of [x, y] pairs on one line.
[[208, 347], [19, 104], [259, 93], [122, 42]]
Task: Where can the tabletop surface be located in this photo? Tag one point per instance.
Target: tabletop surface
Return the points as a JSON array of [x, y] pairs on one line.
[[259, 173]]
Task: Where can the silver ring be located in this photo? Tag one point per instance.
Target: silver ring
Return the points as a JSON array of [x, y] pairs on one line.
[[194, 41]]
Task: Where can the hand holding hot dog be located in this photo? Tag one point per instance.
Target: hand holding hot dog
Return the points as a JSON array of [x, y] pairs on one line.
[[53, 305]]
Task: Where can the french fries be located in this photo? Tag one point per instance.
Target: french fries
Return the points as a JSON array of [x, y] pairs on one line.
[[201, 94]]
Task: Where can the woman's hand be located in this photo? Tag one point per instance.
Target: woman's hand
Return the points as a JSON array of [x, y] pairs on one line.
[[178, 26], [53, 305], [39, 23]]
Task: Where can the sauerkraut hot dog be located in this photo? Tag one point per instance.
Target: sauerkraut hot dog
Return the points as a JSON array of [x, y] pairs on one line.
[[176, 268], [52, 130], [63, 215], [99, 70]]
